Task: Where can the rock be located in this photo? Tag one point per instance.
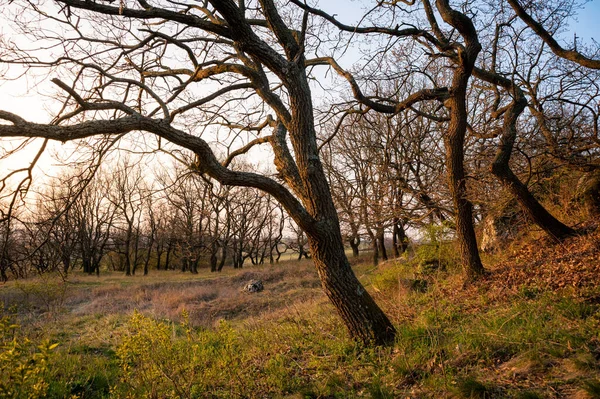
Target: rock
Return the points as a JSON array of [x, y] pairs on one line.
[[254, 286], [492, 234]]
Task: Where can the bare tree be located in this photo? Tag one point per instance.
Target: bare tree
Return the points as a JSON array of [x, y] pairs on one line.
[[455, 57], [142, 80], [93, 216], [127, 196]]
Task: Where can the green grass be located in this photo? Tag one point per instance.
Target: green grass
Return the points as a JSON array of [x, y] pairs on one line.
[[451, 342]]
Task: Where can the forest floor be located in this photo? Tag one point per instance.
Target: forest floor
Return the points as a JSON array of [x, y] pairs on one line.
[[529, 329]]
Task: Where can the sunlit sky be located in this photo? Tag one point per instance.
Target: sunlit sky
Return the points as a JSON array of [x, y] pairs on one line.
[[27, 102], [32, 103]]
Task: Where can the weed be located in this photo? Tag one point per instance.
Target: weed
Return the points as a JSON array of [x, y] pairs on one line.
[[377, 390], [470, 388], [576, 310], [528, 395], [529, 292], [592, 387], [46, 292]]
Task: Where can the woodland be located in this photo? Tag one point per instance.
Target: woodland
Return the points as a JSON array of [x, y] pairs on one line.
[[418, 188]]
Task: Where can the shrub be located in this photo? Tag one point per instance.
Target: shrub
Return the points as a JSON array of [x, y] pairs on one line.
[[161, 359], [23, 366], [153, 362], [436, 253]]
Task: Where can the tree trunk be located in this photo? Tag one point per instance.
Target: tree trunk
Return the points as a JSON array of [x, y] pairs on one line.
[[465, 231], [136, 249], [375, 247], [128, 255], [148, 255], [194, 266], [399, 238], [532, 209], [354, 244], [381, 244], [184, 264], [213, 255], [87, 266], [455, 140], [168, 256], [278, 254], [66, 261], [223, 257], [159, 252], [363, 318]]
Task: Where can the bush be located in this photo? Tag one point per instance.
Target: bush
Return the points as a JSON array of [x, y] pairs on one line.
[[437, 253], [160, 359], [23, 366]]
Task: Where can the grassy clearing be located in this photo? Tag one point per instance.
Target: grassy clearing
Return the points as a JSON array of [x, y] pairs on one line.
[[182, 336]]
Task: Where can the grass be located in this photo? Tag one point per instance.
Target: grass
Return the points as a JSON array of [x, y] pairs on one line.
[[199, 336]]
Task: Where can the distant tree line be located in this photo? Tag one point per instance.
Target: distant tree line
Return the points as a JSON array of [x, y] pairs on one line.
[[123, 219]]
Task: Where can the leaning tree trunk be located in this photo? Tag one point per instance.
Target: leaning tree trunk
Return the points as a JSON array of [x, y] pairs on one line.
[[363, 318], [530, 206]]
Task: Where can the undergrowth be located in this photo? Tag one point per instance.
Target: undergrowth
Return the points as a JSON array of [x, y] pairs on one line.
[[487, 341]]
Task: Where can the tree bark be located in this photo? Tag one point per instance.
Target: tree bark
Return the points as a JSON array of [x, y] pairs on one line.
[[223, 256], [530, 206], [455, 139], [532, 209], [354, 244], [399, 238], [381, 244], [363, 318]]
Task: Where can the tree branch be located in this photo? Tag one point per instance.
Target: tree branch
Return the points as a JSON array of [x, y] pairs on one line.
[[207, 162], [571, 55], [440, 93]]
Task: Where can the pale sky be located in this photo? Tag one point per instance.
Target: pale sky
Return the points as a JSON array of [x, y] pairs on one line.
[[26, 101], [17, 98]]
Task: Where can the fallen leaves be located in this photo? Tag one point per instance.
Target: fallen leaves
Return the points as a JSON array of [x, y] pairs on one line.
[[574, 263]]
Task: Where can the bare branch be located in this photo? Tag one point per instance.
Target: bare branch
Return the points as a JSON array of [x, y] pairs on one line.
[[571, 55], [439, 94]]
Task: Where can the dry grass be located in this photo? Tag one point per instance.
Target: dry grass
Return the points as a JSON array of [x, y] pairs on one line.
[[207, 297]]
